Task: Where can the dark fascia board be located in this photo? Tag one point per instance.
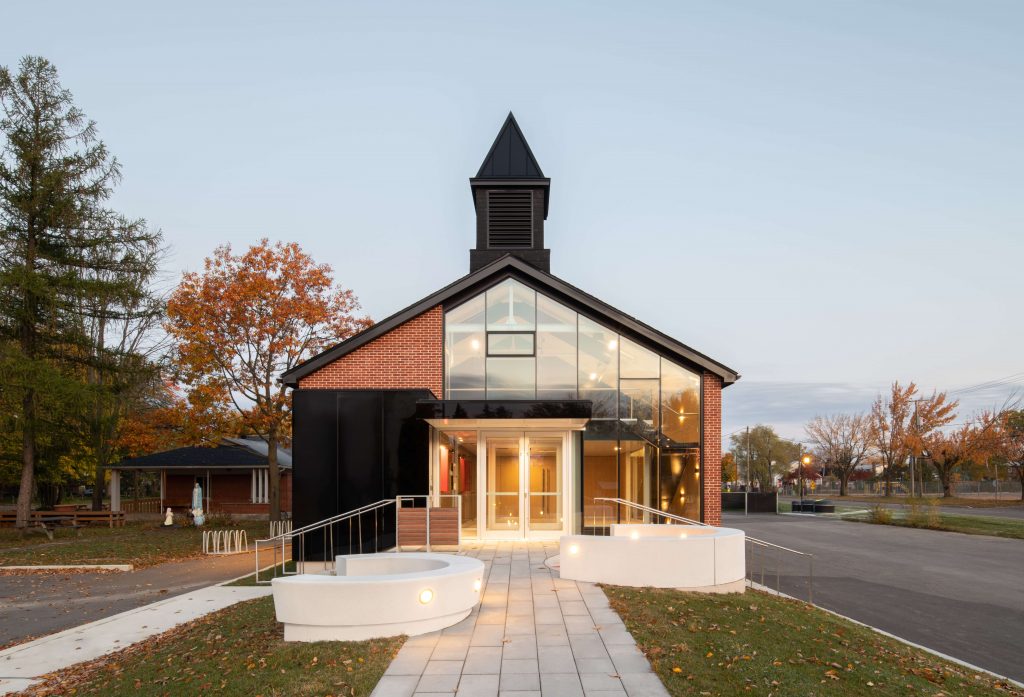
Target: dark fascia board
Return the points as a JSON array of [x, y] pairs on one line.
[[495, 272]]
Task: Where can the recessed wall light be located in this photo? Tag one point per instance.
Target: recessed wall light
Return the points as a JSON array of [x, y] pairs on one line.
[[426, 595]]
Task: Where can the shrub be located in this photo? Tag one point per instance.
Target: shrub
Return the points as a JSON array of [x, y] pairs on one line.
[[916, 516], [880, 514]]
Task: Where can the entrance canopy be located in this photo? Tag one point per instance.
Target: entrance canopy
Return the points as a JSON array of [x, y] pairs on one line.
[[571, 415]]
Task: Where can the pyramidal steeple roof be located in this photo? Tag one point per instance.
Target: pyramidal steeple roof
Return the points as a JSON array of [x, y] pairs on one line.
[[510, 157]]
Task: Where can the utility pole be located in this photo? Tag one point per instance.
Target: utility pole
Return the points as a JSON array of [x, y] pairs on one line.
[[800, 472], [913, 453], [746, 489]]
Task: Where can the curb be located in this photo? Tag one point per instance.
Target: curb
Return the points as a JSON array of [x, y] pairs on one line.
[[70, 567]]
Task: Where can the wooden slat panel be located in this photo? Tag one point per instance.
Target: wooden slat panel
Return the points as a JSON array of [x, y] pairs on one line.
[[412, 527]]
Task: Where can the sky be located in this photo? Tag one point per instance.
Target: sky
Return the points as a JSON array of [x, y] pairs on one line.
[[824, 196]]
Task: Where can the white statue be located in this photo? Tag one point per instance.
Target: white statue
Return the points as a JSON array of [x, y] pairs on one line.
[[197, 505], [169, 520]]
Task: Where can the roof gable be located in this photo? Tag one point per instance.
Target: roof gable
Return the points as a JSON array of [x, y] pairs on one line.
[[505, 267]]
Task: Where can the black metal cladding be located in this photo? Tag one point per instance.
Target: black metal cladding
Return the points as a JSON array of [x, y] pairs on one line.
[[352, 448], [510, 219]]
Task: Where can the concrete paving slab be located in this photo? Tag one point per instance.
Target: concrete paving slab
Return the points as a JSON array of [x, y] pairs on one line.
[[534, 634]]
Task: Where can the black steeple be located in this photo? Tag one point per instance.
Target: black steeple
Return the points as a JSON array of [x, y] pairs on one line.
[[510, 193]]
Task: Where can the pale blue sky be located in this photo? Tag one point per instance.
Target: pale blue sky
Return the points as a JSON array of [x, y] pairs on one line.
[[823, 195]]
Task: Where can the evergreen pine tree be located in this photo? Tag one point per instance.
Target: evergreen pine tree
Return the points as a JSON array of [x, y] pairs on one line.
[[62, 256]]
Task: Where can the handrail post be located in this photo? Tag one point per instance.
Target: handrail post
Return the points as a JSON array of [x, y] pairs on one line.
[[810, 580], [428, 523], [398, 506]]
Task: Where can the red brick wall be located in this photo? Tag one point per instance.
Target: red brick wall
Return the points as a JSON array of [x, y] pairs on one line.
[[232, 493], [711, 448], [410, 356]]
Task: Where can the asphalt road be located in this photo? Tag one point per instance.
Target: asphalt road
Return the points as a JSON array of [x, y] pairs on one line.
[[34, 605], [962, 595]]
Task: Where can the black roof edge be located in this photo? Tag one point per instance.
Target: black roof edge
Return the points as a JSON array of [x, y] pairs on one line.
[[471, 281]]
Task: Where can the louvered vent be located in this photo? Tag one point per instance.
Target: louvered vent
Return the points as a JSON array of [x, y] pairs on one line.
[[510, 219]]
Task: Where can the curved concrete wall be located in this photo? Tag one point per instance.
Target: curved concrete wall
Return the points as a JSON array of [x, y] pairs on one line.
[[662, 556], [378, 595]]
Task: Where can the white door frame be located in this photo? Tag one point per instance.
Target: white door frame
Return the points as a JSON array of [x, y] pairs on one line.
[[523, 530]]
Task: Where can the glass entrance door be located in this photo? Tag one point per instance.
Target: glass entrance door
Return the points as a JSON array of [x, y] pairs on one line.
[[524, 484], [544, 478], [504, 462]]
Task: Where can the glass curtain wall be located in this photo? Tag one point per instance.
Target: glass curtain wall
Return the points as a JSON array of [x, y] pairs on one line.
[[642, 443], [457, 475], [679, 483]]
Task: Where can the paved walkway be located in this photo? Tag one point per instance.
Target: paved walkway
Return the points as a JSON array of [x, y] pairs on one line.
[[21, 665], [33, 605], [961, 595], [533, 634]]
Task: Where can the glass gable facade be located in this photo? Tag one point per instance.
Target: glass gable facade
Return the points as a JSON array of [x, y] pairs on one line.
[[642, 443]]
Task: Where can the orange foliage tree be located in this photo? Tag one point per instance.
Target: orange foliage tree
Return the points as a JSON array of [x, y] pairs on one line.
[[951, 451], [1010, 442], [899, 423], [244, 321]]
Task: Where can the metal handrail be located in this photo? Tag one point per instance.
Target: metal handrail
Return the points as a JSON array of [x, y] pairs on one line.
[[763, 543], [300, 533], [334, 519], [655, 511], [752, 540]]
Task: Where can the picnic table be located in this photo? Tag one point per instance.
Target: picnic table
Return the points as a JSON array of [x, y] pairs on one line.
[[49, 523], [79, 518]]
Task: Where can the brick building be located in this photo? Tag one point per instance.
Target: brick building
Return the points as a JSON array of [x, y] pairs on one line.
[[233, 475], [510, 393]]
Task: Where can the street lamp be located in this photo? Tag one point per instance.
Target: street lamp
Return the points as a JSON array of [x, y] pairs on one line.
[[804, 461]]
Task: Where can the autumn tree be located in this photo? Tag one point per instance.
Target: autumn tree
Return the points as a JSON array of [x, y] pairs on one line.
[[60, 248], [1010, 442], [899, 423], [930, 415], [890, 419], [729, 471], [949, 451], [842, 442], [244, 321], [767, 454]]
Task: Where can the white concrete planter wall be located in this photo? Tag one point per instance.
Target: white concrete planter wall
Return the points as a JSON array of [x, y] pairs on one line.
[[662, 556], [378, 595]]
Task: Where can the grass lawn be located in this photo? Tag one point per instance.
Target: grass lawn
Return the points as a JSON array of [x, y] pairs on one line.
[[954, 501], [760, 644], [236, 651], [970, 525], [138, 543]]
